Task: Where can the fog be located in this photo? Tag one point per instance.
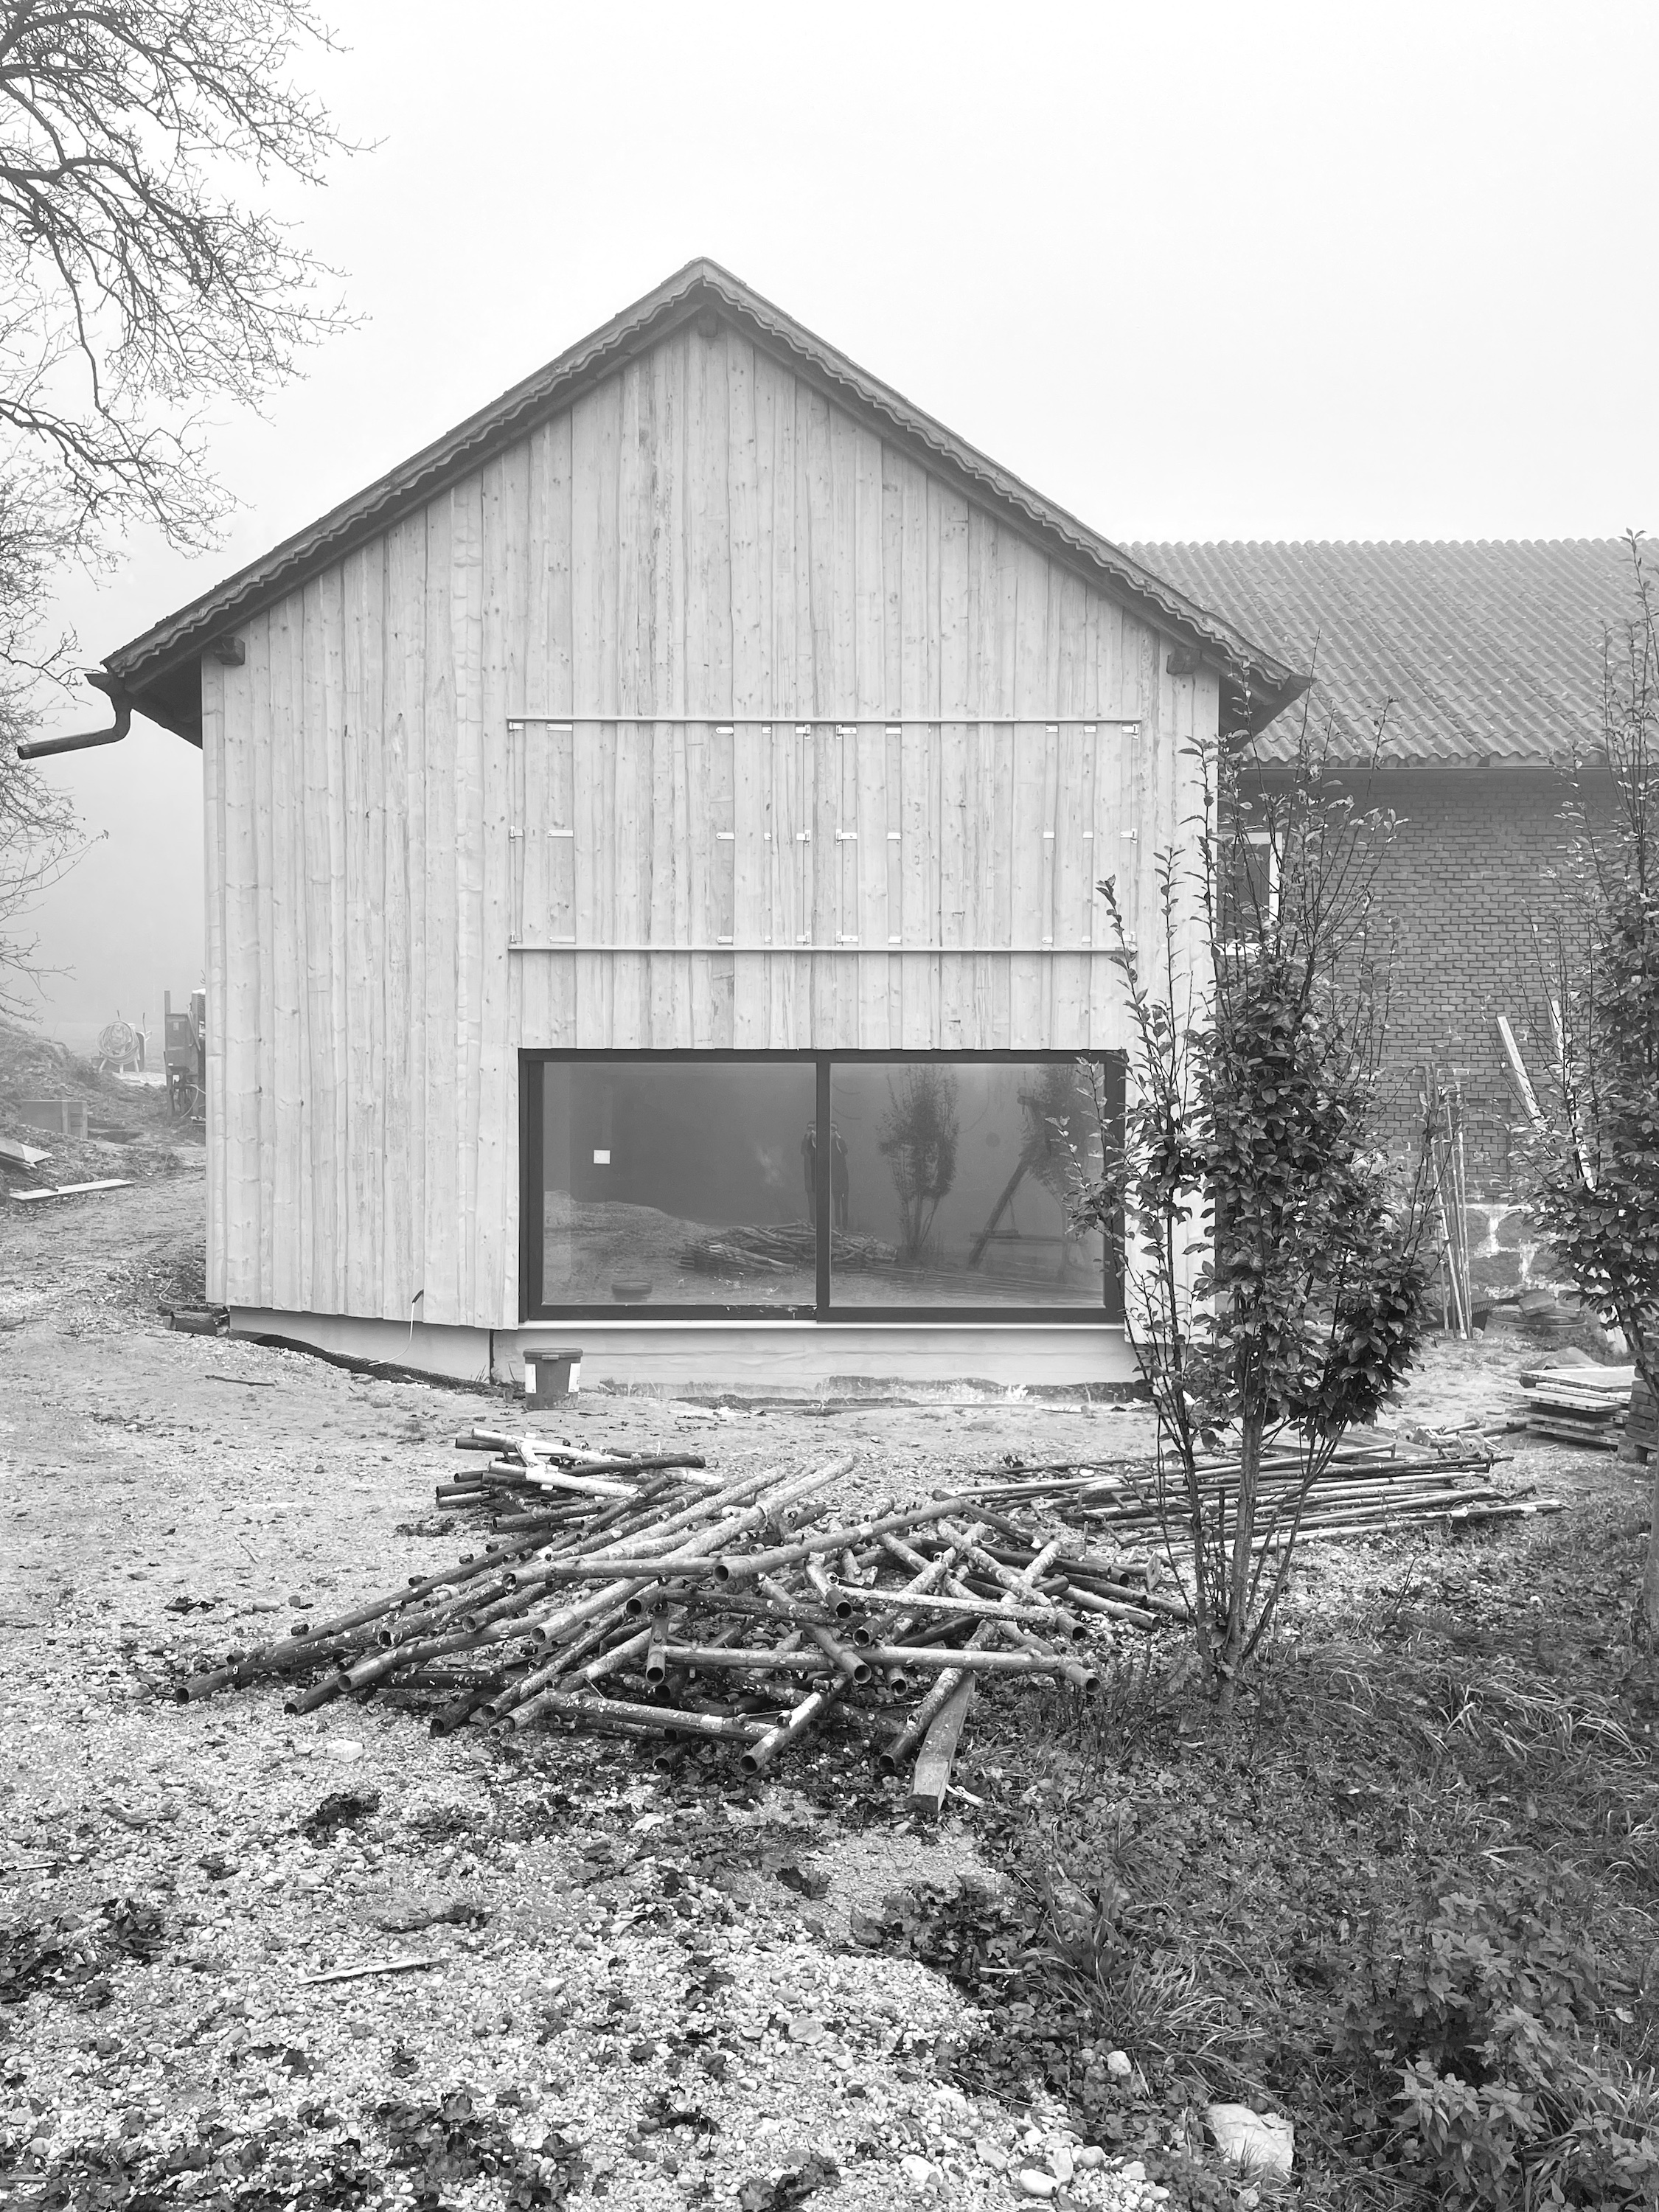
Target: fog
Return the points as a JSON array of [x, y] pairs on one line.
[[1259, 271]]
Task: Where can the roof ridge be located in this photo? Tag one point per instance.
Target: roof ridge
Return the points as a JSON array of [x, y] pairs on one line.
[[1374, 544], [147, 661]]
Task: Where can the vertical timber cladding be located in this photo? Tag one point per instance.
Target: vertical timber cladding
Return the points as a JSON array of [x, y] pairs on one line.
[[427, 755]]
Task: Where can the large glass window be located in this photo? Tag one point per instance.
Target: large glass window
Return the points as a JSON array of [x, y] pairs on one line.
[[678, 1183], [825, 1185], [951, 1182]]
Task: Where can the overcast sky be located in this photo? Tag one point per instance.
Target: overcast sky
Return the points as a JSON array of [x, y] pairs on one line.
[[1207, 270]]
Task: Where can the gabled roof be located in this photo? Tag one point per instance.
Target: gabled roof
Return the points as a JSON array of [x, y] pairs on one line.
[[1489, 652], [157, 671]]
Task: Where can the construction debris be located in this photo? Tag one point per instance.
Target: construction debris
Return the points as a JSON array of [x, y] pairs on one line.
[[1578, 1404], [1367, 1490], [645, 1597]]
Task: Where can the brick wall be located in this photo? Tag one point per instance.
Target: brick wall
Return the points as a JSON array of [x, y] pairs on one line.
[[1464, 882]]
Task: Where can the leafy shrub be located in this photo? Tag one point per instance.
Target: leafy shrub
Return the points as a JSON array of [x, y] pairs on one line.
[[1508, 2099]]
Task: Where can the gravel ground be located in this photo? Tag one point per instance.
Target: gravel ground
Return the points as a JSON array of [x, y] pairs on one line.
[[163, 1495], [610, 1946]]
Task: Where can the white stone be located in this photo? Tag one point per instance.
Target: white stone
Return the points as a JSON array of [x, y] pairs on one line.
[[1258, 2142], [1119, 2065], [1035, 2183], [1133, 2169], [1059, 2158], [990, 2155], [1089, 2156], [917, 2170]]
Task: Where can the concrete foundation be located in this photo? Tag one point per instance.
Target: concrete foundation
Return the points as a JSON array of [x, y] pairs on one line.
[[718, 1354]]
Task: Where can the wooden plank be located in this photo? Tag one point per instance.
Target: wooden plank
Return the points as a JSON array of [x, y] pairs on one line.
[[557, 1013], [1515, 1067], [1002, 824], [829, 669], [240, 978], [951, 859], [932, 1780], [218, 859], [439, 1276], [413, 601], [493, 1301], [72, 1189], [239, 1057], [863, 1002], [299, 863], [596, 435], [719, 832], [662, 981], [284, 638], [467, 612], [1117, 785], [264, 744], [913, 804], [370, 1166], [332, 609], [709, 625], [1027, 856], [396, 1287], [517, 469], [779, 557], [742, 860], [635, 646], [1069, 984], [320, 1186], [361, 1266]]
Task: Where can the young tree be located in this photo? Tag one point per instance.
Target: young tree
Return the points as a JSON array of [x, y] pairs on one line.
[[1593, 1153], [1275, 1267], [137, 290]]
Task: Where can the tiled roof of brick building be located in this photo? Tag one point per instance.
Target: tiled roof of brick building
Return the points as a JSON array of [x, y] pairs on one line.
[[1484, 652]]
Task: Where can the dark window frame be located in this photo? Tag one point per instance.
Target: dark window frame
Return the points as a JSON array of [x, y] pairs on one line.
[[823, 1314]]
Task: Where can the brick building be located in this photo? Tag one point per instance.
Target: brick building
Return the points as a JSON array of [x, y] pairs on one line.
[[1488, 658]]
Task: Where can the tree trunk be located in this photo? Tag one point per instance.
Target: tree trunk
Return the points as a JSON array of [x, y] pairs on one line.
[[1645, 1624], [1231, 1657]]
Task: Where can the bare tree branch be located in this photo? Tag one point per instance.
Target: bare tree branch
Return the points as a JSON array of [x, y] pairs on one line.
[[135, 289]]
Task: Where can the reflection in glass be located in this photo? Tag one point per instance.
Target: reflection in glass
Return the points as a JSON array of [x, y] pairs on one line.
[[679, 1183], [954, 1181]]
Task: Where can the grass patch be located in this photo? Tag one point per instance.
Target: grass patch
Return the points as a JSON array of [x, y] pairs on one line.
[[1406, 1897]]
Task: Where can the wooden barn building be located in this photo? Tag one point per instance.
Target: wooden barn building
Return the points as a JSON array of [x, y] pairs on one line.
[[651, 843]]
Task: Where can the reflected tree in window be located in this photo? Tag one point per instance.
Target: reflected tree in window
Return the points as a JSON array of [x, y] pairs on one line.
[[1055, 1117], [918, 1141]]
